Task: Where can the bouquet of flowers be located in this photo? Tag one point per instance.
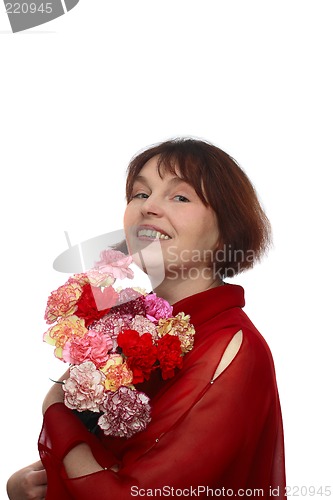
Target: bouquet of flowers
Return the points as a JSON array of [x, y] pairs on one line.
[[113, 340]]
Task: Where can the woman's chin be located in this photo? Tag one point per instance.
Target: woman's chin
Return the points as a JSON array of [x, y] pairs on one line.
[[150, 259]]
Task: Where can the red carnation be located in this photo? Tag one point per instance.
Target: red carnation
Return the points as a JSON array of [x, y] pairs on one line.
[[140, 352], [95, 303], [169, 354]]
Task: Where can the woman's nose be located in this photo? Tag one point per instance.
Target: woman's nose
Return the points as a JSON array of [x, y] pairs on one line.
[[152, 206]]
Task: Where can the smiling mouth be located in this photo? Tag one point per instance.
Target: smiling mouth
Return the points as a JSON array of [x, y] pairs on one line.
[[152, 234]]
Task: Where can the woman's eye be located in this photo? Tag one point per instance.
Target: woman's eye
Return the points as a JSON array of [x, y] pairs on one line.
[[140, 195], [181, 198]]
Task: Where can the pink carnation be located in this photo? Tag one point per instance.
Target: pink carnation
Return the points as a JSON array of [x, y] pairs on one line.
[[127, 412], [115, 263], [84, 389], [94, 346], [157, 308], [129, 294], [143, 325], [112, 324]]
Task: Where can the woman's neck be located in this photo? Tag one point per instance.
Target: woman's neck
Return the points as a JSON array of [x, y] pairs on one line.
[[175, 290]]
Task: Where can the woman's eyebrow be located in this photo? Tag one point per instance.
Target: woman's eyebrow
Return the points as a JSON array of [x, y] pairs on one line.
[[140, 178], [177, 180], [173, 182]]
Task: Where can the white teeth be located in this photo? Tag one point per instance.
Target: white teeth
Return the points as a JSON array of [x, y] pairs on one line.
[[150, 233]]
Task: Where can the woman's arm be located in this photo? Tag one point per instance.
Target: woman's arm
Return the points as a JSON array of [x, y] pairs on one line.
[[80, 461], [55, 394], [226, 433], [30, 482]]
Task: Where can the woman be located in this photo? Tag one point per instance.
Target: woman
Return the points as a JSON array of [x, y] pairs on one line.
[[192, 219]]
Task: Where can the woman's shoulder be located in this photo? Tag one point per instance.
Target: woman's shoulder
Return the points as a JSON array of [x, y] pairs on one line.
[[218, 316], [234, 328]]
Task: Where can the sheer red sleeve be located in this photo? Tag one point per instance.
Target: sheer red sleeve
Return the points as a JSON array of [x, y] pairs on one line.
[[61, 432], [227, 436], [205, 437]]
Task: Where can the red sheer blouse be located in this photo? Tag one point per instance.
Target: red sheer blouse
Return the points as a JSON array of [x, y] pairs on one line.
[[204, 435]]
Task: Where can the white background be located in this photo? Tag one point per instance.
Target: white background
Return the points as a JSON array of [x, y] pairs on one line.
[[81, 94]]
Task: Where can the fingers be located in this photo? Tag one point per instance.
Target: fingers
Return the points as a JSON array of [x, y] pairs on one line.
[[40, 477], [28, 483], [39, 493]]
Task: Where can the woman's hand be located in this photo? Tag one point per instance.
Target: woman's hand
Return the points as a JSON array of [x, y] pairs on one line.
[[56, 393], [28, 483]]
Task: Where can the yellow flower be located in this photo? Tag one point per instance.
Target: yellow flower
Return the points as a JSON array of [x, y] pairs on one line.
[[100, 279], [117, 373], [65, 329], [180, 326], [140, 290]]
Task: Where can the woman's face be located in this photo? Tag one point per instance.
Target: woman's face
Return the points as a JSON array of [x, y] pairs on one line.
[[168, 225]]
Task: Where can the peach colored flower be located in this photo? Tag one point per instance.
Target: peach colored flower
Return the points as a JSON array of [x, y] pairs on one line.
[[117, 373], [62, 302], [94, 277], [140, 290], [65, 330], [80, 279], [180, 326], [84, 389], [97, 278]]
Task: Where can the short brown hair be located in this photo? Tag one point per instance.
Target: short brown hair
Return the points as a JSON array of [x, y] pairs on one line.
[[244, 228]]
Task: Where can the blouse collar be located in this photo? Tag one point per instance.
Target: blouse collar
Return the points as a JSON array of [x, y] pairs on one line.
[[205, 305]]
